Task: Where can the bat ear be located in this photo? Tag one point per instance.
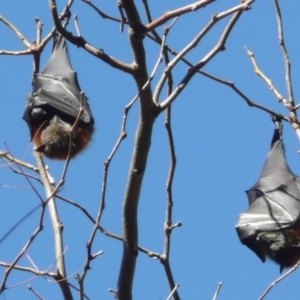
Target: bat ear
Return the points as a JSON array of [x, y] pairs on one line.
[[278, 122], [278, 129], [281, 268], [67, 17], [40, 148]]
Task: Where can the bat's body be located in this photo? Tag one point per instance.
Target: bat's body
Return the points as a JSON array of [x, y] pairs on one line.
[[271, 225], [53, 106]]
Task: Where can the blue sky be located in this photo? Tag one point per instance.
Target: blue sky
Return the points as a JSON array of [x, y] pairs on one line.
[[221, 145]]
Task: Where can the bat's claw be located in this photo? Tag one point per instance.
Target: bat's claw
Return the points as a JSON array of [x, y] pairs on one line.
[[277, 121]]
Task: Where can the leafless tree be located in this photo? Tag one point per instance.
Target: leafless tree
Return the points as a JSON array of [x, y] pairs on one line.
[[142, 28]]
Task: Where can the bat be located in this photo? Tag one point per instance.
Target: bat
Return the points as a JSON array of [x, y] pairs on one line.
[[54, 105], [271, 225]]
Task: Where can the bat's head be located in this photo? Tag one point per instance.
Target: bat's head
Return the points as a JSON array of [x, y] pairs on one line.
[[57, 139], [282, 246]]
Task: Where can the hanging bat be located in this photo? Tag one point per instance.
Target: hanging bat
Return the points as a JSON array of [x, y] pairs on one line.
[[54, 105], [271, 225]]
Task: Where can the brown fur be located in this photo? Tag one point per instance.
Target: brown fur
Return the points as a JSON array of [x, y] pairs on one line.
[[53, 138]]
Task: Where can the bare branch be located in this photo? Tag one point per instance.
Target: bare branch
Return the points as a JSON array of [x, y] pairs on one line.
[[173, 292], [16, 31], [77, 289], [104, 231], [139, 157], [192, 71], [35, 292], [18, 223], [57, 225], [77, 25], [248, 101], [30, 183], [29, 270], [81, 42], [217, 291], [51, 191], [96, 222], [123, 19], [268, 81], [19, 162], [39, 30], [12, 265], [165, 258], [37, 47], [100, 12], [177, 12], [161, 54], [293, 269], [288, 104], [285, 54], [16, 53]]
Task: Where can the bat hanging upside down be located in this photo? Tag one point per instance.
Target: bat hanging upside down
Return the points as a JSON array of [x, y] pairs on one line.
[[271, 225], [54, 105]]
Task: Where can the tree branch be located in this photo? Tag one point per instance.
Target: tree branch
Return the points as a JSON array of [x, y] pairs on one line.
[[177, 12], [79, 41], [192, 71], [139, 157], [243, 96]]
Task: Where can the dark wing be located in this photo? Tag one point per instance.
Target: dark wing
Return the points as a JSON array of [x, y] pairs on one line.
[[274, 200], [56, 90]]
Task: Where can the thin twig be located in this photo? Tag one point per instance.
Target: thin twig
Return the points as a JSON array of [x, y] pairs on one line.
[[177, 12], [168, 226], [19, 162], [27, 179], [56, 223], [77, 289], [100, 12], [247, 99], [287, 62], [29, 270], [16, 53], [192, 71], [287, 103], [35, 292], [10, 268], [96, 222], [18, 223], [39, 30], [122, 136], [268, 81], [103, 230], [173, 292], [293, 269], [123, 18], [77, 25], [81, 42], [288, 75], [37, 47], [179, 56], [159, 60], [217, 291], [16, 31]]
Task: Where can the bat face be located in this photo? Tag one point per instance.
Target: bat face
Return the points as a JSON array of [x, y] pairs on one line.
[[271, 225], [53, 106]]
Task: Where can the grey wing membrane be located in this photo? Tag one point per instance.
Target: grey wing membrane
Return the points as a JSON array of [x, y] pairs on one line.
[[63, 97], [57, 86]]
